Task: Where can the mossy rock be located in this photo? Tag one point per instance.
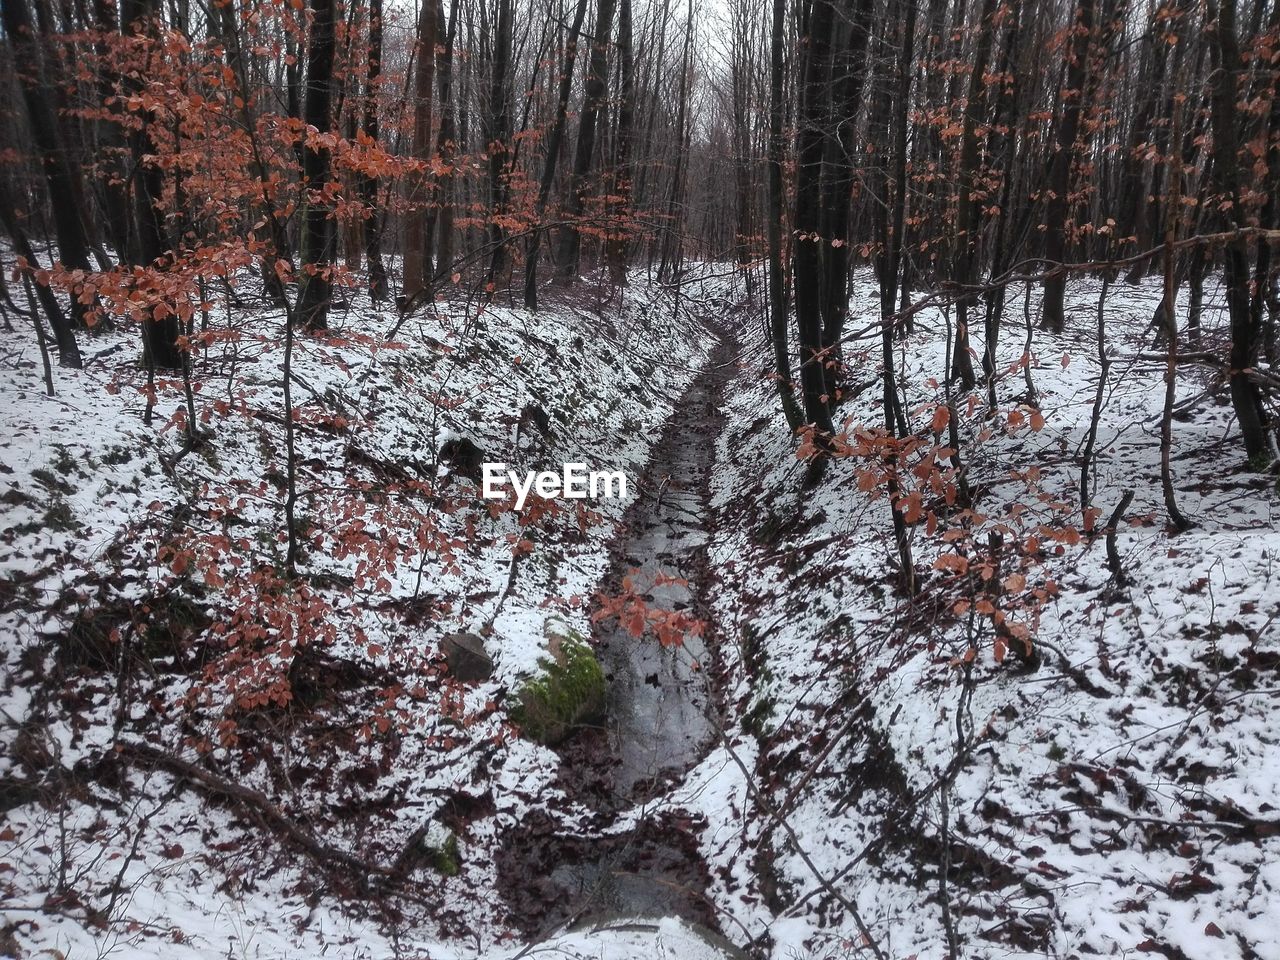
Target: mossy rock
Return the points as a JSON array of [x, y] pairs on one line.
[[568, 691]]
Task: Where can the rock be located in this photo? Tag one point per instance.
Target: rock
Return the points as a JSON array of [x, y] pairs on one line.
[[467, 657], [463, 456], [569, 690], [535, 414]]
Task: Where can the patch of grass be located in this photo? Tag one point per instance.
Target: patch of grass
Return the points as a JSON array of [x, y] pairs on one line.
[[60, 517], [50, 481], [14, 498], [173, 622], [756, 721], [209, 454], [117, 455], [569, 690], [66, 463], [444, 857], [1260, 462], [769, 532]]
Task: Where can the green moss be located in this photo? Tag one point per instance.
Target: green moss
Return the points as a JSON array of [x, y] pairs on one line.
[[569, 690], [444, 857]]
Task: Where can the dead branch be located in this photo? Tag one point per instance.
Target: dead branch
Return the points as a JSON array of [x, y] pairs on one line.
[[258, 803]]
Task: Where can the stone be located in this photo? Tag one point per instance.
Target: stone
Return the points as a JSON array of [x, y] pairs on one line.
[[467, 657], [463, 457]]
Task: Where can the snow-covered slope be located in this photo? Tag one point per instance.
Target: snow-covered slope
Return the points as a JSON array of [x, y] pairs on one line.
[[1122, 796], [144, 613], [871, 786]]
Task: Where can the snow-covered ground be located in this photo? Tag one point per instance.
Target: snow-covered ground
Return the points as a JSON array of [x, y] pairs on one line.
[[1123, 797], [135, 572], [1119, 798]]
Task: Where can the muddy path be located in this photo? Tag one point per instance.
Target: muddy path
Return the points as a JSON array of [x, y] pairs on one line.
[[663, 711]]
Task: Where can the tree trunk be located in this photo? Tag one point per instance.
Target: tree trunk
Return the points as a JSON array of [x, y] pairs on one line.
[[1245, 330], [964, 267], [778, 319], [555, 142], [808, 245], [851, 70], [73, 241], [440, 217], [417, 256], [498, 135], [621, 206], [1072, 96], [673, 241], [64, 336], [317, 230], [593, 98], [115, 191], [368, 185], [150, 245]]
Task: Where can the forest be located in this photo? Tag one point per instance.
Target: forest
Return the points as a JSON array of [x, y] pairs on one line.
[[627, 479]]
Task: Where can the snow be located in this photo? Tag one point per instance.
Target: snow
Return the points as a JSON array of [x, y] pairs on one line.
[[1083, 809], [1120, 798]]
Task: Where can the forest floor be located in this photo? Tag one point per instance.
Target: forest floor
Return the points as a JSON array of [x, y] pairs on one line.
[[842, 780]]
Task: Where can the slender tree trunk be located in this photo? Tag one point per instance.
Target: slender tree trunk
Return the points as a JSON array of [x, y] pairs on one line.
[[1056, 213], [1002, 145], [368, 185], [115, 192], [673, 238], [965, 269], [440, 217], [64, 336], [1245, 331], [555, 143], [417, 256], [778, 315], [851, 70], [740, 68], [317, 232], [891, 240], [621, 207], [1173, 210], [808, 245], [150, 246], [499, 138], [73, 240], [593, 98], [1266, 297]]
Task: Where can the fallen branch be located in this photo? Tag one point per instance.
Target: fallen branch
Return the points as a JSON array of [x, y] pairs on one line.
[[258, 803]]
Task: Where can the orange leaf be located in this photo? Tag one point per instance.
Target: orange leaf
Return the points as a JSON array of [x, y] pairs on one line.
[[1014, 581], [941, 417]]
